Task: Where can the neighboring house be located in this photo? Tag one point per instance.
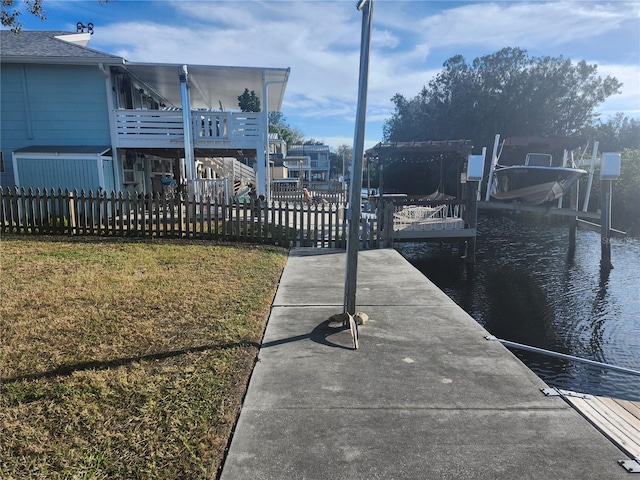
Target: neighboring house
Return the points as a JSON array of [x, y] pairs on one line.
[[278, 167], [279, 170], [277, 147], [77, 118], [311, 162]]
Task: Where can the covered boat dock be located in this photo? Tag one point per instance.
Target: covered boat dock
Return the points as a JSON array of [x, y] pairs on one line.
[[426, 184]]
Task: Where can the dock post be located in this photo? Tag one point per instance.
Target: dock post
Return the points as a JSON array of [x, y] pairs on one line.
[[610, 167], [605, 227], [473, 221], [473, 177]]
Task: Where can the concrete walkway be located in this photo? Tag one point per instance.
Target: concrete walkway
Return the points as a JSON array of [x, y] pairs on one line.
[[425, 396]]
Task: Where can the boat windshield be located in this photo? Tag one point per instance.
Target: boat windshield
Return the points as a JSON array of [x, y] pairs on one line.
[[538, 160]]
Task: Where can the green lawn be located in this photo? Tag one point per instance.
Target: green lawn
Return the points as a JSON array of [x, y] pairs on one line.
[[126, 359]]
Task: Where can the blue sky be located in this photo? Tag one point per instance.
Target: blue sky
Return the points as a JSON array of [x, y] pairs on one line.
[[320, 42]]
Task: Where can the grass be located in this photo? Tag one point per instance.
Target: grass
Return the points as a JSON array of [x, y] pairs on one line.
[[126, 359]]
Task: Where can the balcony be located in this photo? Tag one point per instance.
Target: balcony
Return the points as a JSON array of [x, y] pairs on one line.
[[164, 129], [304, 163]]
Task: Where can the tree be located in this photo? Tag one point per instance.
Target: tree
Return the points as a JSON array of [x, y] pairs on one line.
[[278, 124], [625, 204], [616, 134], [507, 92], [249, 101], [341, 155], [10, 13], [312, 141]]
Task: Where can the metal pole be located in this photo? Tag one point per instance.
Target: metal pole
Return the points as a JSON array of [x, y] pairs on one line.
[[492, 167], [529, 348], [565, 159], [353, 214], [590, 180]]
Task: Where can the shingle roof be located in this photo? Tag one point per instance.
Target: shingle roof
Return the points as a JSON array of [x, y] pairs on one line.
[[45, 47]]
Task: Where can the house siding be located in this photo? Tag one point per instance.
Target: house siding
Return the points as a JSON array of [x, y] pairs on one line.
[[51, 105]]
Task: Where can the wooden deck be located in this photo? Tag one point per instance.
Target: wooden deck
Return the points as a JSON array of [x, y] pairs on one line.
[[618, 420]]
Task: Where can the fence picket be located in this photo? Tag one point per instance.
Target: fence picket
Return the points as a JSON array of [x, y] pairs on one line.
[[285, 223]]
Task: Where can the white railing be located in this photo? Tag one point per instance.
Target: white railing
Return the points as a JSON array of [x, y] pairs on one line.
[[436, 217], [233, 169], [226, 126], [149, 125], [164, 128], [215, 190], [307, 164]]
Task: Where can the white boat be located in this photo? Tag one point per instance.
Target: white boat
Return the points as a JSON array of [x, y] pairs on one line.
[[535, 177]]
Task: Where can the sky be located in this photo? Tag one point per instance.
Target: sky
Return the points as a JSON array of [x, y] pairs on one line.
[[320, 42]]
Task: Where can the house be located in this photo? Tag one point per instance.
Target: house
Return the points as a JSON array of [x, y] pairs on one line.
[[76, 118], [309, 162]]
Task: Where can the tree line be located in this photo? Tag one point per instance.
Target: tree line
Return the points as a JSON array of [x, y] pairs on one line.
[[511, 93]]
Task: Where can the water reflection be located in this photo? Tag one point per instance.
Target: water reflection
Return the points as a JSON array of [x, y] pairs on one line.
[[528, 287], [517, 308]]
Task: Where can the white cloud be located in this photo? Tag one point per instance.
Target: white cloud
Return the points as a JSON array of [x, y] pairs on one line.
[[629, 100], [320, 41], [500, 24]]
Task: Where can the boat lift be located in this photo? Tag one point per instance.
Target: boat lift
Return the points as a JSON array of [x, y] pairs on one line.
[[609, 170]]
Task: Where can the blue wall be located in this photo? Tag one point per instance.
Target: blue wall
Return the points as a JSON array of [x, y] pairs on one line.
[[51, 105]]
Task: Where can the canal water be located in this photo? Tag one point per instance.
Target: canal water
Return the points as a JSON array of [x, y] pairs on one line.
[[528, 288]]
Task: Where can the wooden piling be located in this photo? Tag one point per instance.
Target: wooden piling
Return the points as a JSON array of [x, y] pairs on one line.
[[472, 220]]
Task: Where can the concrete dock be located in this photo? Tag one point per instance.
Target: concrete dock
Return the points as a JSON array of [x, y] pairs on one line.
[[424, 397]]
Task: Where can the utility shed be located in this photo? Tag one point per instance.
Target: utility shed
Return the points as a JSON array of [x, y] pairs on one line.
[[80, 167], [421, 170]]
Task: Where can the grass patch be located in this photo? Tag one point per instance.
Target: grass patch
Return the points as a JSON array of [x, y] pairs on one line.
[[126, 359]]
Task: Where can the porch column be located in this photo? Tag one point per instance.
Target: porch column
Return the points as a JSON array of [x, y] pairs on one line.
[[260, 174], [262, 155], [189, 159]]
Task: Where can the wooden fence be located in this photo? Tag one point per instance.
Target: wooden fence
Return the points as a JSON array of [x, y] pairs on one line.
[[292, 192], [280, 223]]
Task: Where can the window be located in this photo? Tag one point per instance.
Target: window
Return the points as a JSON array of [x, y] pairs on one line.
[[128, 166]]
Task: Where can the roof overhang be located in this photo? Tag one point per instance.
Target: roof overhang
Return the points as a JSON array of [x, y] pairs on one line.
[[55, 150], [49, 60], [391, 150], [211, 86]]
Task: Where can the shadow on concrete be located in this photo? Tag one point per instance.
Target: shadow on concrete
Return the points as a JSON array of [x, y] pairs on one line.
[[319, 334]]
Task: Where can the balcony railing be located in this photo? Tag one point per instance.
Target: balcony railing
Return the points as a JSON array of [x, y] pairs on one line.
[[308, 164], [164, 129]]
